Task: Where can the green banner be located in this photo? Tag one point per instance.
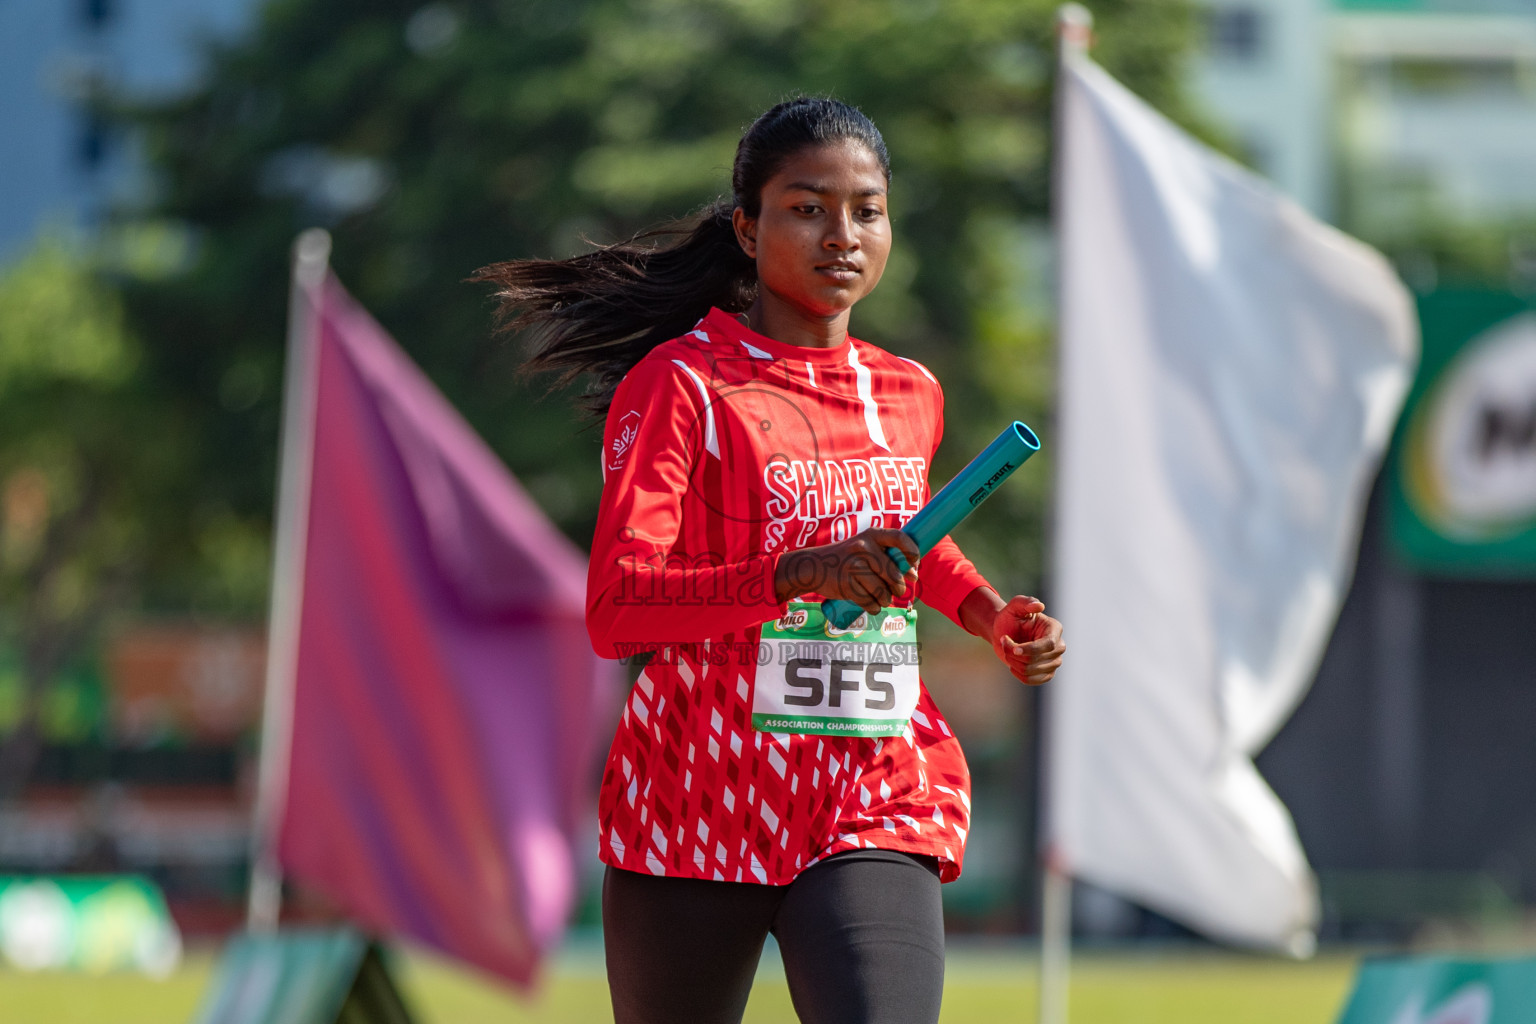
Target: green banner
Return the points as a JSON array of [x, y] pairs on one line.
[[86, 923], [1462, 487], [1438, 990]]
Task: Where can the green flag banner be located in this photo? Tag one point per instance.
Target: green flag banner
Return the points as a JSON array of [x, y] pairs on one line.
[[1463, 483], [1439, 990]]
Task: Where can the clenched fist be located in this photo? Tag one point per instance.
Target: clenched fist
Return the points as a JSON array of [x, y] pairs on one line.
[[1026, 639]]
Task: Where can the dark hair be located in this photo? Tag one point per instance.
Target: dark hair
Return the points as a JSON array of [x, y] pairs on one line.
[[601, 312]]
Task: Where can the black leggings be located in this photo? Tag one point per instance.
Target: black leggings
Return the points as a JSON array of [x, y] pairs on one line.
[[861, 933]]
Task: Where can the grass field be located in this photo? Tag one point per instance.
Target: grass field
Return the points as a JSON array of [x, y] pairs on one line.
[[982, 985]]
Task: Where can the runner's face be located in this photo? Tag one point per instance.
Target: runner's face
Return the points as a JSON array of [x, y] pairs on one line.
[[823, 234]]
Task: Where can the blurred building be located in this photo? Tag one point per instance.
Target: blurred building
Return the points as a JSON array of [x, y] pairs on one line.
[[1263, 75], [1436, 119], [61, 166], [1388, 116]]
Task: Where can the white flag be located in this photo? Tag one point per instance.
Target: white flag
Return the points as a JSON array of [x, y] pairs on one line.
[[1231, 371]]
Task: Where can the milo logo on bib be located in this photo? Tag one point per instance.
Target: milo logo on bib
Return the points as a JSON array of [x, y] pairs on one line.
[[813, 677]]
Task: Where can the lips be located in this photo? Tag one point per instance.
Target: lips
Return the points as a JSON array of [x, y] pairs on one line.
[[839, 269]]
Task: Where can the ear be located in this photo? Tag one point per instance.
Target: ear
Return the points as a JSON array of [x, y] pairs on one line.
[[746, 232]]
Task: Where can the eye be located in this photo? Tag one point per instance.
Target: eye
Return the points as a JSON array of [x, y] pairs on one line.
[[871, 213], [807, 208]]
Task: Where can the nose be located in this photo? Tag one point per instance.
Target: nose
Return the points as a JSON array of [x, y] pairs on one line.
[[841, 235]]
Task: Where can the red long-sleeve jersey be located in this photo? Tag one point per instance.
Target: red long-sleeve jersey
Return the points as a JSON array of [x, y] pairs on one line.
[[722, 450]]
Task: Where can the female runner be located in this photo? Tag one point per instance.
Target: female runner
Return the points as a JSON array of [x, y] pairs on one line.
[[769, 773]]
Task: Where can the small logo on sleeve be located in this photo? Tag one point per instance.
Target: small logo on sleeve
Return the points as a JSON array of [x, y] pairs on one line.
[[623, 439]]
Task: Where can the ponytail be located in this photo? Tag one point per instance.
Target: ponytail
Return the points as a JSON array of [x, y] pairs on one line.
[[601, 312]]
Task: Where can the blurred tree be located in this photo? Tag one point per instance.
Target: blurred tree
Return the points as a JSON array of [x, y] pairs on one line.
[[79, 462], [100, 486], [1450, 251], [434, 139]]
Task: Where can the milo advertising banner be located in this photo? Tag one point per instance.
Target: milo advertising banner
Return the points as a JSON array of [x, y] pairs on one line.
[[1463, 481], [1438, 990]]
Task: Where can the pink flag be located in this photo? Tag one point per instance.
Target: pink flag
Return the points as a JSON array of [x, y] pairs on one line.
[[435, 776]]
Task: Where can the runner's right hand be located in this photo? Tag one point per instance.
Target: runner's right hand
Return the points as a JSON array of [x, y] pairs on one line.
[[857, 570]]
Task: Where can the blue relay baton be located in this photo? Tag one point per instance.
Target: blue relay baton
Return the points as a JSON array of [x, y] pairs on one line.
[[948, 509]]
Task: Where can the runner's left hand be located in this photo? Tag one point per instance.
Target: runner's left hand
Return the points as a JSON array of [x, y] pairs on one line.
[[1028, 640]]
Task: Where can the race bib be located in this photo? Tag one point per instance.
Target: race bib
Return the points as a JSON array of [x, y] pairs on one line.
[[815, 678]]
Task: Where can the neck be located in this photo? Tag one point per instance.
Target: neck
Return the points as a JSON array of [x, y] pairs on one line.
[[773, 318]]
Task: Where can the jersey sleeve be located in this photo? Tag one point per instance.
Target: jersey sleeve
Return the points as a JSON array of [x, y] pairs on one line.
[[641, 592], [945, 576]]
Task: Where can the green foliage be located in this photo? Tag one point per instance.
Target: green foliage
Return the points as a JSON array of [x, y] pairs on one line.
[[433, 140], [56, 325], [64, 357], [1458, 252], [71, 479], [98, 491]]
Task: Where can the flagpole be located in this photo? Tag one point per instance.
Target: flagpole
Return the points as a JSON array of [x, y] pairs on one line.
[[1074, 30], [311, 263]]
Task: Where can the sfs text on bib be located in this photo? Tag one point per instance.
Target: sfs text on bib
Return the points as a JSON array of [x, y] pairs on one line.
[[815, 678]]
